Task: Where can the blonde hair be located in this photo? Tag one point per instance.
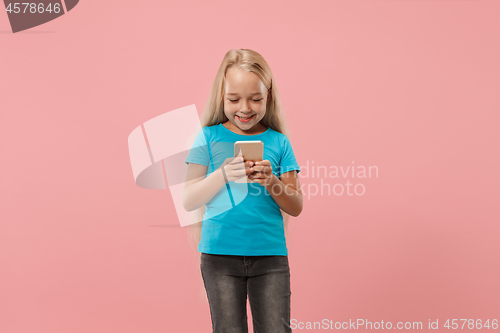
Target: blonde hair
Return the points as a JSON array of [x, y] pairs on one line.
[[213, 113]]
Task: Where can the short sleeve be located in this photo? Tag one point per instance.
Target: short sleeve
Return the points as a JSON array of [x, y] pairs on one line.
[[199, 152], [287, 161]]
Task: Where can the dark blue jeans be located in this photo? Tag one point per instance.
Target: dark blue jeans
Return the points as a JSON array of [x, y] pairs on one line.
[[265, 279]]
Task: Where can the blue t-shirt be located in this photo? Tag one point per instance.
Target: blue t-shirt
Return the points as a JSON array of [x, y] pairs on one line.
[[242, 218]]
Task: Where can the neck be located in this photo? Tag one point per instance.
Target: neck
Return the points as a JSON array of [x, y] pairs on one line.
[[257, 129]]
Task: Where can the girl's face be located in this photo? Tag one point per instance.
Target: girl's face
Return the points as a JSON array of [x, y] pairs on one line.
[[245, 100]]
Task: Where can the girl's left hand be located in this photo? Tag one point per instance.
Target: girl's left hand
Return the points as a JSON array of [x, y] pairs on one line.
[[263, 173]]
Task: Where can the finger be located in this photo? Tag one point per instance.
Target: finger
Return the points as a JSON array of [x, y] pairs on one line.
[[237, 160], [258, 168], [237, 168], [257, 181], [237, 173], [262, 168]]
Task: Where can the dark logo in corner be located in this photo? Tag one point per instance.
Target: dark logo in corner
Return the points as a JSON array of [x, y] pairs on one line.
[[26, 15]]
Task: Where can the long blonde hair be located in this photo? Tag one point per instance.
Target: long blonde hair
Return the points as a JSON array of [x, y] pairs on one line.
[[213, 113]]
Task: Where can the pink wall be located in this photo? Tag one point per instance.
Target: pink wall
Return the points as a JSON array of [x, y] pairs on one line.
[[410, 87]]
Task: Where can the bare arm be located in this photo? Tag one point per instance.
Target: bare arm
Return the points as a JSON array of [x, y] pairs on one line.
[[198, 189], [285, 191]]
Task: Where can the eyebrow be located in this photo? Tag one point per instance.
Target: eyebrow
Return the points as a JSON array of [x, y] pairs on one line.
[[256, 93]]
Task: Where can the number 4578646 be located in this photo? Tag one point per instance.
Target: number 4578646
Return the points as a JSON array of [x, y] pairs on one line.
[[33, 8], [471, 324]]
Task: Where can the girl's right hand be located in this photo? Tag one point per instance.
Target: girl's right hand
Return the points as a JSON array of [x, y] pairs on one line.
[[237, 168]]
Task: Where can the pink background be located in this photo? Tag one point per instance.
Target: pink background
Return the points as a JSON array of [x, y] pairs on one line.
[[408, 86]]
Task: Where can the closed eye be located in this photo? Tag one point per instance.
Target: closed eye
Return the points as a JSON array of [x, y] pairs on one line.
[[236, 100]]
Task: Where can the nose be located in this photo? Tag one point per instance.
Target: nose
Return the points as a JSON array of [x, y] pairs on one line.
[[245, 106]]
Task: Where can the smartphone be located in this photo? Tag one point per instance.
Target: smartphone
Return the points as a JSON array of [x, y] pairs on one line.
[[251, 151]]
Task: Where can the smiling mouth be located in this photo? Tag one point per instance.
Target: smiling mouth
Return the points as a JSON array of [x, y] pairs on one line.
[[244, 120]]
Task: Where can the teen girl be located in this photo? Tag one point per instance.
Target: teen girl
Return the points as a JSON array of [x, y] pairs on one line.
[[242, 245]]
